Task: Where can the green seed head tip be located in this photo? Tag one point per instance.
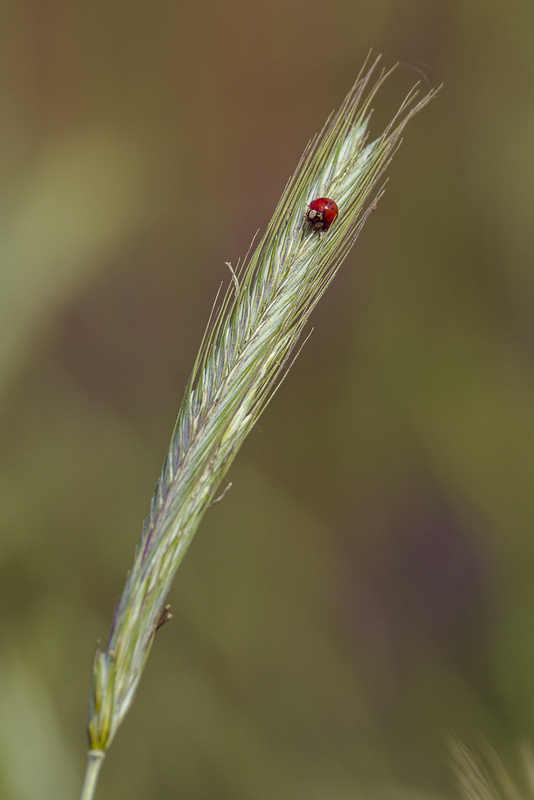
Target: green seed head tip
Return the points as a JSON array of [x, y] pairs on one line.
[[100, 717]]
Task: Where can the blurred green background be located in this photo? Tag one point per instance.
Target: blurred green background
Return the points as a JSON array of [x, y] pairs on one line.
[[367, 584]]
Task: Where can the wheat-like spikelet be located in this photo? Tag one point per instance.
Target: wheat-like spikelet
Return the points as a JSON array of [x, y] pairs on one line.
[[245, 353]]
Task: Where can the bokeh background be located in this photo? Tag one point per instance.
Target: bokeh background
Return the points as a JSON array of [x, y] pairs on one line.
[[367, 586]]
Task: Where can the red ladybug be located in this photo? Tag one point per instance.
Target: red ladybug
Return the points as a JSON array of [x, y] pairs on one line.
[[322, 212]]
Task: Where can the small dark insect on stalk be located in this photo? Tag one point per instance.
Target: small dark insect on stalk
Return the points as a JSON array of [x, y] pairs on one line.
[[165, 616]]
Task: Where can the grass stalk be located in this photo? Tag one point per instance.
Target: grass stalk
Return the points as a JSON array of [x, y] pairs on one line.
[[245, 353], [95, 759]]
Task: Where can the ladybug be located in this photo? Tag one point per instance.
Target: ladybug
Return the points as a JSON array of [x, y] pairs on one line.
[[322, 212]]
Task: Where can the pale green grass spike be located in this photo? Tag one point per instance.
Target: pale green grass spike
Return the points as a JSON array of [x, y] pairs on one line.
[[244, 354]]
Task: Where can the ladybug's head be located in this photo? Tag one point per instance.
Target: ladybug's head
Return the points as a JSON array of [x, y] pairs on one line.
[[321, 213]]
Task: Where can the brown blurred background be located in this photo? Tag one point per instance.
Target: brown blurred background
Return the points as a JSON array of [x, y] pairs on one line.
[[367, 585]]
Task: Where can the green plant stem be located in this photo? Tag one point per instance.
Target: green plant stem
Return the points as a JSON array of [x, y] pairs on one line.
[[95, 759]]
